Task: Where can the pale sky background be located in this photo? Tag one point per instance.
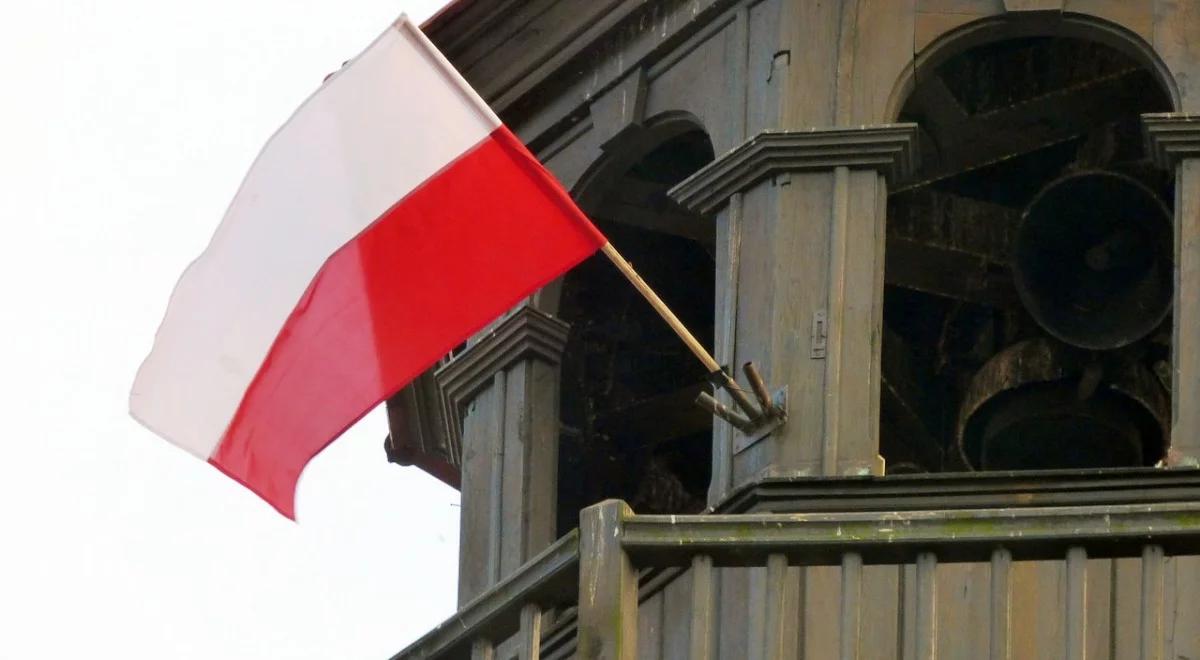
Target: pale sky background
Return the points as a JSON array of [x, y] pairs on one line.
[[125, 128]]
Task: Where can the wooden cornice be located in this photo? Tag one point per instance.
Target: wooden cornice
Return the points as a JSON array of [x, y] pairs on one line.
[[417, 431], [889, 148], [964, 490], [526, 334], [1171, 137]]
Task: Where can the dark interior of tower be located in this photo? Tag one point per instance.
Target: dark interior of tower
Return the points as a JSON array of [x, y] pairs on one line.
[[630, 427], [1029, 266]]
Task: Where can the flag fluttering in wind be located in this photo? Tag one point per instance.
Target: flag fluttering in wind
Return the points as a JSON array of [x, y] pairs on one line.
[[390, 218]]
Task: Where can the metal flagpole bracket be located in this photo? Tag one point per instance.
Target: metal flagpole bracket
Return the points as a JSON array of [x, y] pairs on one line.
[[754, 421]]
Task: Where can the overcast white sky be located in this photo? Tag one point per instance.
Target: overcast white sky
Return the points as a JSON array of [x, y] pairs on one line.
[[125, 128]]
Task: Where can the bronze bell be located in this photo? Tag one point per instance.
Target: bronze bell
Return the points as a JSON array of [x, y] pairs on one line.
[[1092, 260], [1040, 404]]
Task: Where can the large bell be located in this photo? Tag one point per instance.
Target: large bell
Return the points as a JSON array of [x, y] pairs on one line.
[[1092, 260], [1040, 404]]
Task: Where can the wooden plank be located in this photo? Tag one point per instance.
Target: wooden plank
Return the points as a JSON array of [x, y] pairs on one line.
[[855, 306], [821, 619], [513, 494], [881, 616], [1075, 613], [701, 628], [1126, 608], [531, 632], [776, 622], [925, 629], [874, 390], [754, 615], [733, 613], [728, 256], [1039, 600], [1025, 611], [476, 519], [1185, 380], [963, 595], [1000, 606], [1152, 620], [838, 375], [608, 586], [650, 624], [495, 500], [538, 429], [1098, 630], [973, 490], [907, 600], [850, 630], [1182, 607], [669, 221], [1031, 125], [677, 615], [891, 536]]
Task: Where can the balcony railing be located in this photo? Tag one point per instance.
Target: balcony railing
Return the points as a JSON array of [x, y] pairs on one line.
[[586, 586]]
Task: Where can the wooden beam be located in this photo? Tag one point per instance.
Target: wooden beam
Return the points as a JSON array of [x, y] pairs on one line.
[[660, 418], [891, 537], [991, 137], [949, 273]]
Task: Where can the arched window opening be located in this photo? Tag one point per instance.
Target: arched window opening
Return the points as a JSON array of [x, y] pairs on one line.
[[630, 428], [1028, 266]]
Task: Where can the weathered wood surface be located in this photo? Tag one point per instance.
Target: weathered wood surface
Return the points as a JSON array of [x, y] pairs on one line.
[[789, 247], [1174, 140], [1036, 582], [505, 390], [608, 590]]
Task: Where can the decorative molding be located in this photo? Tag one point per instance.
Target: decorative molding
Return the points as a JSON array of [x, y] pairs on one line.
[[1171, 137], [417, 431], [964, 490], [526, 334], [886, 536], [889, 148]]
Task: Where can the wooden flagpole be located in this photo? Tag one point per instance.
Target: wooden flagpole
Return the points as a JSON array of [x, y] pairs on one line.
[[706, 358]]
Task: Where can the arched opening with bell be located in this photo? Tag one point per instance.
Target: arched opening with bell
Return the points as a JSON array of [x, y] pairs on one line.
[[1029, 263]]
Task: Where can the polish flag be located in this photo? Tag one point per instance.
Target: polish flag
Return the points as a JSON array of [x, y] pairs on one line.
[[389, 219]]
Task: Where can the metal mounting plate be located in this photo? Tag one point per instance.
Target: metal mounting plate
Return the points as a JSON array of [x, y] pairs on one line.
[[743, 441]]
